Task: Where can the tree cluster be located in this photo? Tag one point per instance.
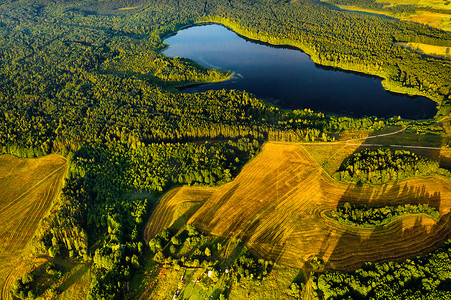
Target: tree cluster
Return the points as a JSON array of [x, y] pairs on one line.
[[193, 249], [383, 165], [418, 278], [361, 215]]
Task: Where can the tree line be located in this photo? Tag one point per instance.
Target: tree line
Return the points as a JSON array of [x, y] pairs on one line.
[[383, 164], [361, 215], [420, 278]]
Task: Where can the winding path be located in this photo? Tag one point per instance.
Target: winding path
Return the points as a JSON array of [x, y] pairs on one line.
[[349, 142]]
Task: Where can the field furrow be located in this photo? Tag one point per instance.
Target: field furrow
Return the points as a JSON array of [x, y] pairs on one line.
[[26, 194], [277, 204]]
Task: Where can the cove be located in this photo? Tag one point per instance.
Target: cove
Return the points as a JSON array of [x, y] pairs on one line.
[[288, 78]]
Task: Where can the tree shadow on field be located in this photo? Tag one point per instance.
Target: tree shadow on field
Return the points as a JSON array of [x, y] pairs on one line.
[[73, 278], [207, 220], [183, 219], [396, 241], [392, 193], [404, 237]]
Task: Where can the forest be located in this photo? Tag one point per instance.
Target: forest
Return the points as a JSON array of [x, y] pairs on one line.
[[383, 164], [88, 81], [417, 278]]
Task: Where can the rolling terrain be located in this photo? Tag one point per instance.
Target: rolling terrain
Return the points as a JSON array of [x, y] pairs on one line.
[[27, 189], [434, 13], [277, 204]]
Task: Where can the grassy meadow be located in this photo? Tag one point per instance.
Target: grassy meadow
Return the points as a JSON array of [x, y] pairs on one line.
[[431, 50], [437, 4]]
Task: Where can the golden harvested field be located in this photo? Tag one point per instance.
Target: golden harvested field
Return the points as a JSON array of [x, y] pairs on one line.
[[129, 8], [277, 204], [180, 204], [27, 188], [434, 19], [437, 4]]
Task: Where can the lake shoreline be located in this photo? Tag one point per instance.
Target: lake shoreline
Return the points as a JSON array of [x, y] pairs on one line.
[[342, 101]]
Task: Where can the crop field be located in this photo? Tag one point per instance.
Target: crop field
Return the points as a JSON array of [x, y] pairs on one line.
[[422, 13], [277, 204], [437, 4], [433, 19], [27, 188], [179, 205]]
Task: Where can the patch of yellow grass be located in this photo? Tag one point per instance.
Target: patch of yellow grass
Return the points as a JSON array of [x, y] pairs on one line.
[[330, 157], [440, 51], [436, 4], [277, 203], [433, 19], [80, 281], [129, 8], [367, 10], [27, 188], [167, 284]]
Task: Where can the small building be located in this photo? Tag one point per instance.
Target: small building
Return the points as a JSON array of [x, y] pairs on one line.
[[177, 293]]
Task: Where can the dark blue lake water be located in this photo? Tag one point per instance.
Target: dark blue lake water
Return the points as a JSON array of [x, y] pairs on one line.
[[288, 78]]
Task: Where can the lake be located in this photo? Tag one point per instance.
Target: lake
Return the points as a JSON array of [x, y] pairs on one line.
[[288, 78]]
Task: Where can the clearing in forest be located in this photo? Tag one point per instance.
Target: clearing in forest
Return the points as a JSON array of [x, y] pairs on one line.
[[27, 188], [431, 50], [277, 204], [435, 13]]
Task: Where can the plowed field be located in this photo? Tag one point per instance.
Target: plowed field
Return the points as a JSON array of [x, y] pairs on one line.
[[277, 204], [27, 188]]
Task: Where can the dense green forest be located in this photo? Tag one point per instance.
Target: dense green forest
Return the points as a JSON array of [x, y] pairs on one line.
[[88, 81], [98, 206], [361, 215], [383, 164]]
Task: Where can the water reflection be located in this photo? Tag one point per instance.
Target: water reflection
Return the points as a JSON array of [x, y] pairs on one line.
[[288, 77]]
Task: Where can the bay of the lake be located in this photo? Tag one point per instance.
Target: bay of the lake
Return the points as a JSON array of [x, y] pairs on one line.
[[288, 78]]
